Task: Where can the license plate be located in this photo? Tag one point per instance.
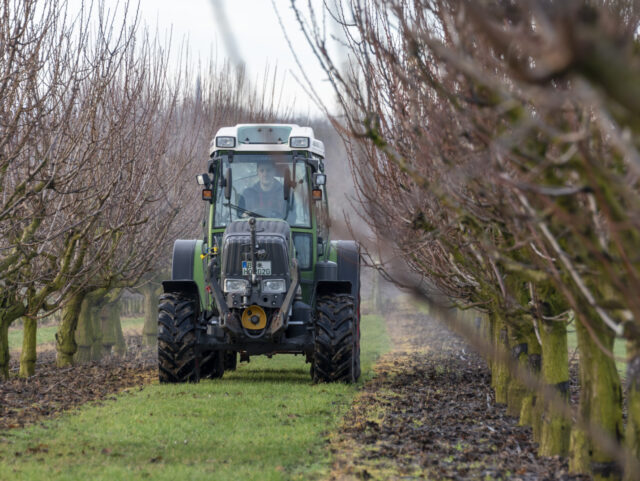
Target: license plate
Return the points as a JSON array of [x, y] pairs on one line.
[[263, 268]]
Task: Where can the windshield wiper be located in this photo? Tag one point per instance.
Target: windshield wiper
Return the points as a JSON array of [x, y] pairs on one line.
[[243, 210]]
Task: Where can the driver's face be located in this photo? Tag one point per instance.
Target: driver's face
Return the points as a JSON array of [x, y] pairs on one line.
[[266, 176]]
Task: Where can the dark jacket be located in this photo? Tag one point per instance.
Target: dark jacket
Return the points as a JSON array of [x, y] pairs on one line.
[[269, 203]]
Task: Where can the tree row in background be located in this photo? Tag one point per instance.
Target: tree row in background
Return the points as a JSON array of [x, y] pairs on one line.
[[498, 142], [102, 131]]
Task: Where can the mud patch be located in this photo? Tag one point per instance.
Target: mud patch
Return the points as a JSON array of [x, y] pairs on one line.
[[52, 390], [430, 414]]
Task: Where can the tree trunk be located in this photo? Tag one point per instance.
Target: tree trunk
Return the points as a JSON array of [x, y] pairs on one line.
[[84, 333], [579, 457], [125, 304], [600, 402], [28, 354], [8, 315], [632, 438], [109, 326], [65, 337], [499, 371], [120, 348], [533, 363], [4, 348], [97, 317], [108, 329], [533, 366], [554, 435], [516, 393], [150, 329]]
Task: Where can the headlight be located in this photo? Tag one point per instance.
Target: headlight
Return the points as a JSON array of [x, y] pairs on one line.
[[236, 286], [226, 142], [299, 142], [274, 286]]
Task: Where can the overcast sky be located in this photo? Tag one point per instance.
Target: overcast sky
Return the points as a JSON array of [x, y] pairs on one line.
[[257, 33]]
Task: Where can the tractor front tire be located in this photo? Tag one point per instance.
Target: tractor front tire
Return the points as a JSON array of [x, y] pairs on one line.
[[212, 365], [177, 349], [336, 351], [230, 360]]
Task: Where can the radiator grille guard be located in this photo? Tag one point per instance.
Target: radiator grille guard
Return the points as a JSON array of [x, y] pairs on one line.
[[273, 239]]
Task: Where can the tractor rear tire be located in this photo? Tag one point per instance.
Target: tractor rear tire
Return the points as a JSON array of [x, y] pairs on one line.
[[177, 348], [336, 356]]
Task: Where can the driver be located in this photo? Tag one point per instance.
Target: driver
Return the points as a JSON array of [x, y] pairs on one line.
[[265, 197]]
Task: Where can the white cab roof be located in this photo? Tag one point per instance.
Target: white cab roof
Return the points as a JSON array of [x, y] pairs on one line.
[[280, 138]]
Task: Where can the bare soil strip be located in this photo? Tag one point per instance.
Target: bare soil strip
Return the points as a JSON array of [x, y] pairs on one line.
[[430, 414], [52, 390]]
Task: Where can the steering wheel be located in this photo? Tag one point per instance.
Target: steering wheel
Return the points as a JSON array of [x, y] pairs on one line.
[[272, 214]]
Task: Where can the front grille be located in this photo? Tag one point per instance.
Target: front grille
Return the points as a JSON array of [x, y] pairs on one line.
[[237, 248], [274, 244]]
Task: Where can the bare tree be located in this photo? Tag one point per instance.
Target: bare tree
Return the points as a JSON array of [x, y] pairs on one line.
[[490, 139]]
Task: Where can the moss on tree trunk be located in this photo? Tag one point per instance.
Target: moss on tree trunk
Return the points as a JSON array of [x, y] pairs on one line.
[[555, 431], [519, 341], [65, 337], [579, 458], [28, 354], [632, 438], [579, 451], [532, 364], [499, 371], [600, 401], [9, 312]]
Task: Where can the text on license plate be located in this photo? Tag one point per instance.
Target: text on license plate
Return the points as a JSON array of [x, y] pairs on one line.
[[263, 268]]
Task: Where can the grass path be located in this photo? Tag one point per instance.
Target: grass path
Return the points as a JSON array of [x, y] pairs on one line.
[[266, 421]]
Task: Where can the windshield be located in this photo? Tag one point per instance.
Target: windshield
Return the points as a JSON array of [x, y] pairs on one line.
[[257, 189]]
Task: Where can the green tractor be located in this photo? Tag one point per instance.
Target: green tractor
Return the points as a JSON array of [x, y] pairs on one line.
[[265, 279]]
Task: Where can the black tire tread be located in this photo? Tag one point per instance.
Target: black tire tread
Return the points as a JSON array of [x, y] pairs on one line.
[[212, 365], [230, 360], [179, 359], [336, 350]]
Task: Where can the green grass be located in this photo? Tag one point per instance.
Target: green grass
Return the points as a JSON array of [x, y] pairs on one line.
[[266, 421], [47, 333]]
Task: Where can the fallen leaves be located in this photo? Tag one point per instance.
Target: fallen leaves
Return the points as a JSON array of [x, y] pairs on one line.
[[53, 390], [426, 415]]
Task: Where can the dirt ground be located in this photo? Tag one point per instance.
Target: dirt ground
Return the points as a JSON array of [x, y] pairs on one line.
[[52, 390], [430, 414]]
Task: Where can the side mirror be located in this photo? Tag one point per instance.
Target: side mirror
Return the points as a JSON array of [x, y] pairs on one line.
[[319, 179], [203, 179], [287, 184], [227, 184]]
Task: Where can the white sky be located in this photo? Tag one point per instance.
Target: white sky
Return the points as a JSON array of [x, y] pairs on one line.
[[257, 34]]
